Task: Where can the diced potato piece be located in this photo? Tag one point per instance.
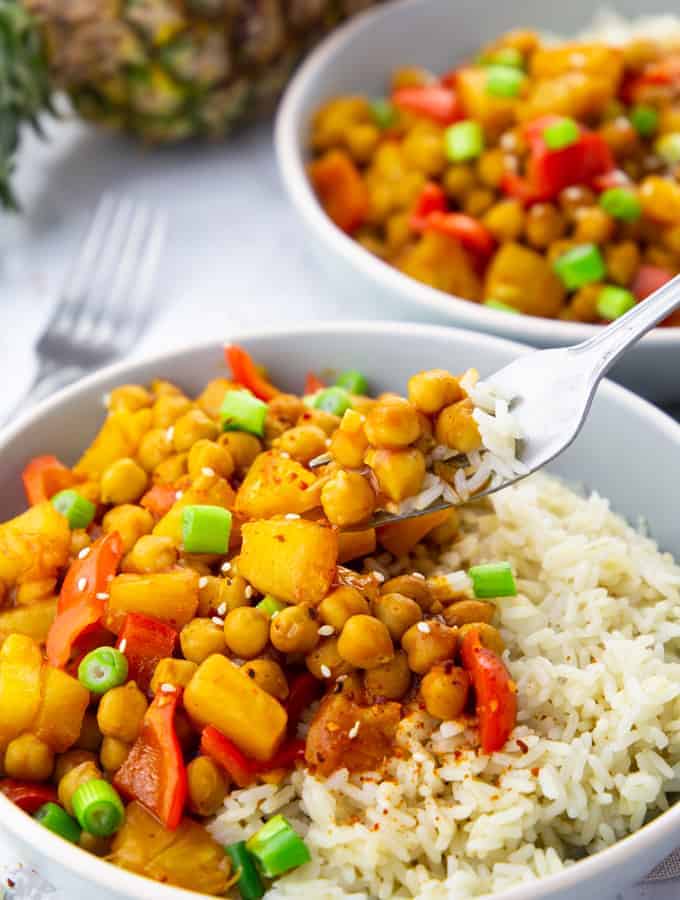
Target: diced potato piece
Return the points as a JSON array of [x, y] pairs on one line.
[[207, 490], [439, 260], [20, 685], [34, 621], [598, 60], [401, 537], [171, 597], [118, 437], [293, 559], [34, 546], [60, 717], [222, 695], [187, 857], [495, 114], [353, 544], [276, 485], [661, 199], [524, 279], [573, 94]]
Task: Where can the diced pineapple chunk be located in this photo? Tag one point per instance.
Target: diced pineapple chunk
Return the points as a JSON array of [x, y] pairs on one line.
[[401, 537], [171, 597], [276, 485], [34, 621], [118, 437], [33, 546], [20, 685], [63, 705]]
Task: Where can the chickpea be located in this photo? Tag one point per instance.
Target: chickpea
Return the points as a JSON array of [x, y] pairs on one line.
[[459, 180], [411, 76], [129, 398], [410, 586], [162, 388], [478, 201], [242, 446], [288, 407], [210, 455], [211, 593], [432, 390], [398, 232], [491, 167], [168, 408], [154, 448], [400, 473], [131, 523], [347, 499], [445, 691], [200, 638], [124, 481], [389, 681], [464, 612], [489, 636], [207, 786], [113, 754], [505, 220], [446, 532], [544, 225], [456, 427], [234, 591], [212, 396], [574, 198], [295, 629], [593, 225], [583, 304], [151, 553], [72, 780], [392, 423], [246, 631], [423, 150], [121, 712], [361, 141], [427, 644], [273, 429], [622, 261], [365, 642], [621, 136], [397, 613], [661, 257], [340, 605], [27, 757], [79, 540], [325, 661], [193, 426], [31, 591], [69, 760], [326, 421], [349, 441], [268, 675], [90, 737], [303, 442], [178, 672]]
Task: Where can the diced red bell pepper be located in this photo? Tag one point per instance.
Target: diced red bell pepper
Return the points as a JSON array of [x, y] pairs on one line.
[[341, 189], [245, 373], [82, 600], [431, 199], [649, 279], [304, 690], [44, 477], [472, 235], [236, 764], [313, 384], [28, 795], [154, 773], [145, 641], [159, 500], [496, 694], [663, 72], [434, 101]]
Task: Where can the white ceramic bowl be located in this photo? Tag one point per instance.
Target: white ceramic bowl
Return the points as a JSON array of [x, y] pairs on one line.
[[625, 446], [436, 34]]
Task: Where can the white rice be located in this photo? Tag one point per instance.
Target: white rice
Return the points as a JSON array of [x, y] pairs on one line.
[[593, 640]]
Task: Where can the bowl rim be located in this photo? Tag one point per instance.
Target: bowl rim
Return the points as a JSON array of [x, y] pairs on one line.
[[291, 121], [82, 864]]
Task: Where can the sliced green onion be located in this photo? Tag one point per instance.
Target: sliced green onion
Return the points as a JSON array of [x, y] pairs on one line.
[[271, 606], [613, 302], [579, 266], [493, 580], [504, 56], [384, 113], [668, 147], [206, 529], [98, 807], [353, 381], [278, 848], [334, 400], [621, 203], [504, 81], [241, 411], [498, 304], [561, 134], [58, 820], [78, 511], [464, 141], [249, 882], [644, 119], [103, 669]]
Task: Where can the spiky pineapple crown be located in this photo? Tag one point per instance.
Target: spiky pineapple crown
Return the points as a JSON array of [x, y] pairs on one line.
[[24, 86]]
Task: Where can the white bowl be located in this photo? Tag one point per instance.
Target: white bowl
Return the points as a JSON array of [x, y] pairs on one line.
[[625, 445], [436, 34]]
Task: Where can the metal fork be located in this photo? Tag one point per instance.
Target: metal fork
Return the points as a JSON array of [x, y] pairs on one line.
[[553, 390], [106, 300]]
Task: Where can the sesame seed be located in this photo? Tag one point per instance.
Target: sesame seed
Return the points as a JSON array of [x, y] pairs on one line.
[[326, 630], [84, 553], [225, 567], [122, 645], [218, 621], [207, 470], [167, 688], [418, 575], [170, 433], [424, 627], [81, 584], [327, 442], [222, 609], [291, 516], [326, 672], [102, 595], [284, 455], [341, 678], [354, 730], [203, 581], [248, 592], [379, 577], [179, 495]]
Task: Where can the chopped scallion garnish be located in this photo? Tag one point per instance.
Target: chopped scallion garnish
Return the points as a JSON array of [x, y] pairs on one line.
[[103, 669], [493, 580], [278, 848], [98, 807], [241, 411], [206, 529], [57, 820], [78, 511], [249, 882]]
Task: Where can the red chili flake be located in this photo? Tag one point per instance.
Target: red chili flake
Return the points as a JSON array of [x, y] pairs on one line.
[[535, 771], [522, 746], [280, 538]]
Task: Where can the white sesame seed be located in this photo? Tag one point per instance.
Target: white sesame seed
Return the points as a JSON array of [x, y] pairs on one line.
[[424, 627], [379, 577], [327, 442], [248, 592], [326, 630], [102, 595], [341, 678], [222, 609], [203, 581], [122, 645], [207, 470], [291, 516], [284, 455], [225, 567], [354, 730], [81, 584], [418, 575], [170, 433], [84, 553], [179, 495], [326, 672], [218, 621], [168, 688]]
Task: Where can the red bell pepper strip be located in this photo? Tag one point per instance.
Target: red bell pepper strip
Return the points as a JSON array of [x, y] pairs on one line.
[[430, 200], [145, 641], [305, 689], [245, 373], [82, 600], [434, 101], [649, 279], [313, 384], [28, 795], [237, 765], [472, 235], [159, 499], [495, 692], [154, 773], [44, 477]]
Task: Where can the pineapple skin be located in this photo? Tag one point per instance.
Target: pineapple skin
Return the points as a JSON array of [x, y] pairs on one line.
[[169, 70]]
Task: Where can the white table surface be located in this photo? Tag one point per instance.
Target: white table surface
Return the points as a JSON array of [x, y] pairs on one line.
[[235, 254]]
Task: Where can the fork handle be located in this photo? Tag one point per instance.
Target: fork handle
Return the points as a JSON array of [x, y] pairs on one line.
[[48, 378], [605, 348]]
